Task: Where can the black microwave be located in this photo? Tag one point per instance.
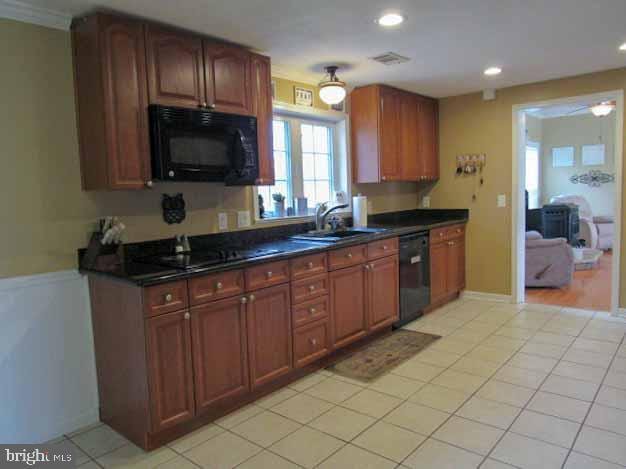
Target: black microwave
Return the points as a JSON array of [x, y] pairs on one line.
[[202, 145]]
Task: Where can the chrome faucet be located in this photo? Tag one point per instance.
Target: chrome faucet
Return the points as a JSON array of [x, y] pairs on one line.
[[322, 211]]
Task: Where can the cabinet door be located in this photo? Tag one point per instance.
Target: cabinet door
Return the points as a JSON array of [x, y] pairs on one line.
[[428, 137], [175, 68], [269, 334], [390, 169], [125, 102], [382, 292], [438, 271], [169, 362], [456, 265], [220, 356], [347, 305], [227, 71], [262, 109], [411, 165]]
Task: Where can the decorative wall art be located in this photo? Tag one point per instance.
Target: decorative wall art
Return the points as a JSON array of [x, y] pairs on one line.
[[593, 155], [562, 157], [303, 96], [593, 178]]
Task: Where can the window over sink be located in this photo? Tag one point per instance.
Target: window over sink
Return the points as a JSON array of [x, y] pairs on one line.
[[310, 163]]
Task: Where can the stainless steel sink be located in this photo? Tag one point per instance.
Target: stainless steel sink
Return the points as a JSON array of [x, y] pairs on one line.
[[334, 236]]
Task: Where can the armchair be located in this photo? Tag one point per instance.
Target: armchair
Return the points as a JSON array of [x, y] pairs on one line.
[[549, 262], [596, 231]]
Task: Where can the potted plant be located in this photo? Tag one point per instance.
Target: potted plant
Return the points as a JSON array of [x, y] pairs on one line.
[[279, 204]]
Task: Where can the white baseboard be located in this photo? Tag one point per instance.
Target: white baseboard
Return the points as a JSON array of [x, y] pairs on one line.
[[484, 296]]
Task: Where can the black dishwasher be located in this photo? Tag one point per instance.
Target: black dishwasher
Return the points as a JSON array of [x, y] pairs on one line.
[[414, 276]]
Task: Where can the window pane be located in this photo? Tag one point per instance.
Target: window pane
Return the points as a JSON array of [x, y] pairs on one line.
[[280, 165], [321, 167], [309, 193], [308, 166], [307, 138], [279, 135], [321, 139], [322, 191]]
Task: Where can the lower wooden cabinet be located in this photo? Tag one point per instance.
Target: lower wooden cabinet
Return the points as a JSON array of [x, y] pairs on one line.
[[347, 305], [382, 292], [269, 334], [170, 369], [311, 342], [220, 351], [447, 263]]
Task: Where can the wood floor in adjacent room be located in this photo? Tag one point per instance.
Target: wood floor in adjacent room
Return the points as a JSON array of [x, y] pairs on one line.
[[591, 289]]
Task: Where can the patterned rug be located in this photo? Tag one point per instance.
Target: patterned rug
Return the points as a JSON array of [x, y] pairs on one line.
[[381, 356]]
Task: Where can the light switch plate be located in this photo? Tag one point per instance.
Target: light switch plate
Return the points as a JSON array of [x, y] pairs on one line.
[[426, 201], [243, 218], [222, 221], [501, 200]]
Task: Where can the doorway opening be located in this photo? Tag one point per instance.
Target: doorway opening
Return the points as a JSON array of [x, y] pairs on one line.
[[567, 192]]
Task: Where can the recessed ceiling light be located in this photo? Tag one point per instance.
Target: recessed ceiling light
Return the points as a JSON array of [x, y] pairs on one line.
[[623, 47], [492, 71], [390, 19]]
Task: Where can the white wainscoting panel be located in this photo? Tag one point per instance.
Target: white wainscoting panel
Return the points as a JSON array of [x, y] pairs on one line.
[[47, 367]]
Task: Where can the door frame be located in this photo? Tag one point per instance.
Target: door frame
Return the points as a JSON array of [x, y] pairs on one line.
[[518, 184]]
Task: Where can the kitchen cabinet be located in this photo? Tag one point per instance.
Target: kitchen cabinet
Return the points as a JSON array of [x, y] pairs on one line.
[[269, 334], [170, 369], [111, 102], [447, 263], [220, 351], [393, 134], [261, 86], [347, 305], [227, 71], [175, 67], [382, 289]]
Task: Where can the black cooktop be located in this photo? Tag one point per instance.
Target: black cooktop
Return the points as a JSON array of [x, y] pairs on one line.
[[195, 260]]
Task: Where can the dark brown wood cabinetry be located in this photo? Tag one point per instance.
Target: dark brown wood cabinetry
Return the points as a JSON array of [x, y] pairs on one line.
[[382, 290], [347, 305], [394, 135], [447, 263], [121, 65]]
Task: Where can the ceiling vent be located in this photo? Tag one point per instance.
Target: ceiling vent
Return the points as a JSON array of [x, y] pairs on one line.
[[390, 58]]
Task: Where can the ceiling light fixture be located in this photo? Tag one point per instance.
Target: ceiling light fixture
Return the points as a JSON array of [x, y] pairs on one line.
[[390, 20], [603, 109], [623, 47], [492, 71], [332, 89]]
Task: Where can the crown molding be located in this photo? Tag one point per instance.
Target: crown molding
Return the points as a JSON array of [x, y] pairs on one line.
[[20, 11]]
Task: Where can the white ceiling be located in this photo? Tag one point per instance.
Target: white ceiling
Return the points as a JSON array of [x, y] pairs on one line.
[[561, 110], [449, 42]]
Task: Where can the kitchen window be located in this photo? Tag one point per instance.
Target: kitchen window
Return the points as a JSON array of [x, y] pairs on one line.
[[310, 167]]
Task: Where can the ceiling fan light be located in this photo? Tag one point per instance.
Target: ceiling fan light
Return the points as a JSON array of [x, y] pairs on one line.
[[332, 91], [602, 109]]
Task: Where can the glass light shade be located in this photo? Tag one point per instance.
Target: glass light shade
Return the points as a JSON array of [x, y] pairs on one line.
[[602, 109], [332, 93]]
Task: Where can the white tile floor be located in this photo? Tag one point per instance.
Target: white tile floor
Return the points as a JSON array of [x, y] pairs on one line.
[[507, 386]]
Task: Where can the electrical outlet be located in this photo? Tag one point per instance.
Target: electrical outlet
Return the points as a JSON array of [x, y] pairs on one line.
[[426, 201], [222, 221], [501, 200], [243, 218]]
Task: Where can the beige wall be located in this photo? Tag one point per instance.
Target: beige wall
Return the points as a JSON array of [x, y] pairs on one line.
[[577, 131], [470, 125], [45, 215]]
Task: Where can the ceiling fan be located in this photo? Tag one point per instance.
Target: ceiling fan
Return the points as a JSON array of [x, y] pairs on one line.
[[600, 109]]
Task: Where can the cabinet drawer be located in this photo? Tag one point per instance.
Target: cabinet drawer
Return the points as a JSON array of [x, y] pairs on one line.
[[446, 233], [215, 286], [307, 266], [310, 342], [165, 298], [267, 275], [382, 248], [347, 256], [309, 288], [456, 231], [310, 311]]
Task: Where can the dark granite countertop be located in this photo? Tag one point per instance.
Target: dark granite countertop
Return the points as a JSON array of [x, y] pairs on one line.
[[276, 238]]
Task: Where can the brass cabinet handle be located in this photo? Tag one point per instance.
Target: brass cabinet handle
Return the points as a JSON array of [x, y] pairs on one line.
[[269, 274], [310, 265], [169, 297], [349, 255], [219, 285], [187, 316], [312, 310], [311, 288], [313, 342]]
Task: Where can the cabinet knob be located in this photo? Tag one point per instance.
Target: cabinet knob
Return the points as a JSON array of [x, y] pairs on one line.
[[252, 298], [312, 310], [441, 234], [310, 265], [269, 274], [368, 267], [187, 316], [385, 247], [219, 285], [349, 255], [211, 106], [458, 230], [313, 342], [311, 288], [171, 174], [168, 297], [244, 300], [149, 184], [384, 178]]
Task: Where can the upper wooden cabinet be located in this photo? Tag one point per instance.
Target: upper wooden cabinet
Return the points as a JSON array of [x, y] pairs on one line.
[[175, 67], [121, 65], [111, 101], [394, 135]]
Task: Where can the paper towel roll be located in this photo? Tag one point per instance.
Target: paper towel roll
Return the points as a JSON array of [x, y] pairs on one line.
[[359, 211]]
